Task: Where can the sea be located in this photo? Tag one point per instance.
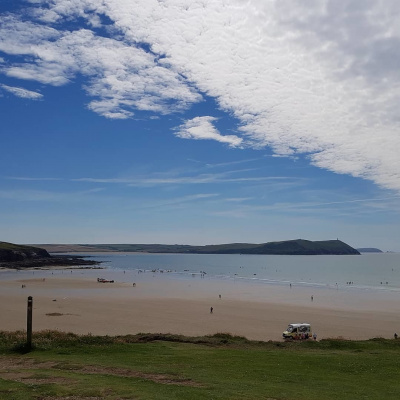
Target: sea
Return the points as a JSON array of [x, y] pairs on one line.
[[378, 271]]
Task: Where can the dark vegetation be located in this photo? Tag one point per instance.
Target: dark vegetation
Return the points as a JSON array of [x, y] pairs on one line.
[[12, 252], [65, 366], [19, 257], [288, 247]]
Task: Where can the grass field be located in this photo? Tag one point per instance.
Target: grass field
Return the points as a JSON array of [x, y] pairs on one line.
[[70, 367]]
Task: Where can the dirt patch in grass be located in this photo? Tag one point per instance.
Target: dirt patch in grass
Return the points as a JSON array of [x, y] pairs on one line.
[[127, 373], [56, 314], [12, 363], [71, 398], [10, 369], [30, 378]]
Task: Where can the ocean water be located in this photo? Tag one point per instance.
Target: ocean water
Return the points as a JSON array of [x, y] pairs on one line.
[[367, 271]]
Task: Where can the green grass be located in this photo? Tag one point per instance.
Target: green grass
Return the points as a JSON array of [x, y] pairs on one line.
[[17, 247], [222, 366]]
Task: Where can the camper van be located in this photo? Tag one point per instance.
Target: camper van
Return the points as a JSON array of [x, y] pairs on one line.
[[297, 331]]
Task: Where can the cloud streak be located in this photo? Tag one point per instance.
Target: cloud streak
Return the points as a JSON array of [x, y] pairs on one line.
[[23, 93], [182, 180], [320, 80]]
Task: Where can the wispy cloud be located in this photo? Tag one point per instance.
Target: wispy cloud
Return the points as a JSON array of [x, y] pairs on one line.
[[377, 203], [178, 201], [23, 93], [25, 195], [183, 180], [244, 176], [26, 178], [224, 164], [351, 208], [239, 199]]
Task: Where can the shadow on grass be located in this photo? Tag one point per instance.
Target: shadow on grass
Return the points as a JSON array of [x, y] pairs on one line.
[[22, 348]]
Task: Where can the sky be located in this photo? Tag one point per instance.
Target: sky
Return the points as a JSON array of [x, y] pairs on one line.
[[200, 122]]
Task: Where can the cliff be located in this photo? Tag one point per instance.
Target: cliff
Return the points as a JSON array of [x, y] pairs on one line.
[[19, 257], [10, 252]]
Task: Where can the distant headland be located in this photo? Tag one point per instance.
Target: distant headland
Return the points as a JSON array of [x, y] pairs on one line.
[[288, 247], [369, 250]]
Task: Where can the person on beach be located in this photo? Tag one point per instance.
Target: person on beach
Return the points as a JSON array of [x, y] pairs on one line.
[[211, 310], [312, 298]]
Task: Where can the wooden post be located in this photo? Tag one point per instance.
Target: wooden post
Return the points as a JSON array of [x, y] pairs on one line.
[[29, 323]]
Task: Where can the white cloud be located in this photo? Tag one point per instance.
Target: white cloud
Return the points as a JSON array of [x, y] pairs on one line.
[[24, 93], [122, 77], [319, 77], [201, 128]]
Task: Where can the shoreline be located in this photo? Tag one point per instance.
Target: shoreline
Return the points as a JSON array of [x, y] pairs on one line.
[[73, 301]]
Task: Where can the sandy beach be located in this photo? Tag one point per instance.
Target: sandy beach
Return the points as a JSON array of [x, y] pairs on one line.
[[73, 301]]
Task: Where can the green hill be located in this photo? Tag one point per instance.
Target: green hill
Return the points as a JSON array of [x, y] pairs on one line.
[[288, 247], [19, 257], [10, 252]]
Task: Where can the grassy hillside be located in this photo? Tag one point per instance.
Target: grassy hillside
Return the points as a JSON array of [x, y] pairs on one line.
[[15, 252], [305, 247], [66, 366], [20, 257], [289, 247]]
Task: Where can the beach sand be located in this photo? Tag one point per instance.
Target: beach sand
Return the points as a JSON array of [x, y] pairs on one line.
[[73, 301]]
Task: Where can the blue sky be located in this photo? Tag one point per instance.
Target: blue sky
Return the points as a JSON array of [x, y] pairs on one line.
[[199, 122]]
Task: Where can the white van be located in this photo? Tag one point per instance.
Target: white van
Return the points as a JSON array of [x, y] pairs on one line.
[[298, 331]]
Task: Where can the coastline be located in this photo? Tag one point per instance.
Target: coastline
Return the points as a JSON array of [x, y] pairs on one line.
[[73, 301]]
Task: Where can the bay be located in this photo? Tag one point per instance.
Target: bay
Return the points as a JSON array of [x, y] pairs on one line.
[[367, 271]]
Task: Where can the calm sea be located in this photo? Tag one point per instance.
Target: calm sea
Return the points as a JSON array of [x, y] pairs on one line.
[[367, 271]]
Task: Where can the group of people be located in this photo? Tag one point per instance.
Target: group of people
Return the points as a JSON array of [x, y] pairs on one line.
[[304, 336]]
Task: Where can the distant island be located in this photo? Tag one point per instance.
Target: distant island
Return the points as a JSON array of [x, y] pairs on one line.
[[19, 257], [288, 247], [369, 250]]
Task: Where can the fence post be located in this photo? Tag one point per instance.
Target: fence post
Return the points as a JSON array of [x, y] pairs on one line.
[[29, 324]]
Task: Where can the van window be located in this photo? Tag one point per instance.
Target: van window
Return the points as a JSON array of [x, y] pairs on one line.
[[304, 328]]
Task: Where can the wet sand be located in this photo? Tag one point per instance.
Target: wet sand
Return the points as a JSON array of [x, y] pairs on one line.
[[73, 301]]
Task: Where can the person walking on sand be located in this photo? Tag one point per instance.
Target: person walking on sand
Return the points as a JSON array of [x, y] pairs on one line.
[[312, 298], [211, 310]]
